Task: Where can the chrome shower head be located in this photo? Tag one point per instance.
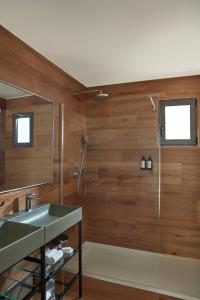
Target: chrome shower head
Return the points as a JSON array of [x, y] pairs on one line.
[[99, 96]]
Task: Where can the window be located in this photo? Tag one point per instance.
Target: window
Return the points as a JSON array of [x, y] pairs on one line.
[[178, 122], [23, 129]]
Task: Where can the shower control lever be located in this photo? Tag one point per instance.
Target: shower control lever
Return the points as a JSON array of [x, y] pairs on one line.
[[75, 172]]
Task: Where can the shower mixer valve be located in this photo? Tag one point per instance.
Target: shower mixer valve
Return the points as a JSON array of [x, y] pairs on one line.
[[75, 172]]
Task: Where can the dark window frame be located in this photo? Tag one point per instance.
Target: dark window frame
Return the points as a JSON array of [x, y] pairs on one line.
[[193, 141], [17, 116]]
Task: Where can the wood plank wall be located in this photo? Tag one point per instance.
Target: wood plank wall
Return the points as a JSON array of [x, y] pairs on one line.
[[122, 206], [20, 65], [121, 197], [112, 215]]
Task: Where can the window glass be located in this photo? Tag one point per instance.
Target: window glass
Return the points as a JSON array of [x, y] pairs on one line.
[[177, 122], [23, 130]]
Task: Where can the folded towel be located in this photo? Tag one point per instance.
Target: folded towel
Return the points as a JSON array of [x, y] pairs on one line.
[[52, 259]]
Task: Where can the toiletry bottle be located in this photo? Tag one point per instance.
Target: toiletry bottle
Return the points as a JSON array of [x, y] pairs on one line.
[[149, 163], [143, 163]]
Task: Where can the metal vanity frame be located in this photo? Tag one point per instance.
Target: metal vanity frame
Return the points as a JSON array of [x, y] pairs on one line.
[[41, 287]]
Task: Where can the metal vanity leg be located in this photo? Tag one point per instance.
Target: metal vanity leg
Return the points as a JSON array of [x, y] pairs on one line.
[[80, 258], [43, 279]]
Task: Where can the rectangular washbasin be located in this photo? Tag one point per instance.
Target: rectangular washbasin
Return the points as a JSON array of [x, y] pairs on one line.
[[54, 219], [17, 241]]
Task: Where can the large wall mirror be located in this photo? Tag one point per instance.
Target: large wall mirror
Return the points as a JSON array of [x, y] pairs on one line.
[[26, 139]]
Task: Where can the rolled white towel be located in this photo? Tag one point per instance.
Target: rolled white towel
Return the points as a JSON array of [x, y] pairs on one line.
[[68, 250], [47, 250], [56, 257], [48, 295], [49, 254]]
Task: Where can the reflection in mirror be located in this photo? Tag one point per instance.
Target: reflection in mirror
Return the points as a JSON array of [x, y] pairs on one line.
[[23, 129], [26, 139]]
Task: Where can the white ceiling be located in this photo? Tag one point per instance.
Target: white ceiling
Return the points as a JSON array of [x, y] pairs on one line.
[[110, 41]]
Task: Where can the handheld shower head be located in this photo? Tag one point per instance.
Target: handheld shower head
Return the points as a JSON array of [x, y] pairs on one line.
[[85, 140]]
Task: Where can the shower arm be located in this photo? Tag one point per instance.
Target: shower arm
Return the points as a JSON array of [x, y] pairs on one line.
[[87, 92], [152, 102], [150, 98]]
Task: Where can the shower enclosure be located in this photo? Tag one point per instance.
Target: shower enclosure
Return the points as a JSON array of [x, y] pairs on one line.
[[142, 225]]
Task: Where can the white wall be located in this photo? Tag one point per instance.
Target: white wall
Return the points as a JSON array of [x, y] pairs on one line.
[[110, 41]]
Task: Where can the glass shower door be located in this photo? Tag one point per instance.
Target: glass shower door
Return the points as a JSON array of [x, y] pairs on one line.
[[146, 240]]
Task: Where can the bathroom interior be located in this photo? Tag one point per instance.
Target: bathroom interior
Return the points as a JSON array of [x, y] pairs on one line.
[[108, 159]]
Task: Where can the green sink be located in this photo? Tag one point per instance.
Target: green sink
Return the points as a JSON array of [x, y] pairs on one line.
[[17, 241], [54, 219]]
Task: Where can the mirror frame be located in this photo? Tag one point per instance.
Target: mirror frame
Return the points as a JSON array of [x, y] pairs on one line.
[[52, 145]]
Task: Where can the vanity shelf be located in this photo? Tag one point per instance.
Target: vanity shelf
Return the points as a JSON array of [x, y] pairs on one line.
[[33, 276], [60, 264], [61, 287], [18, 289], [24, 289]]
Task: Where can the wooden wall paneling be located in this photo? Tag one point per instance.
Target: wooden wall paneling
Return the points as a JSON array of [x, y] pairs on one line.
[[121, 207], [180, 202], [22, 66], [160, 88], [118, 138], [117, 209], [10, 206]]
